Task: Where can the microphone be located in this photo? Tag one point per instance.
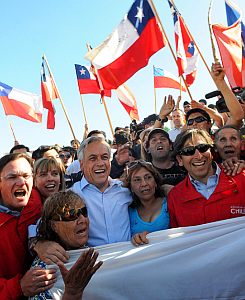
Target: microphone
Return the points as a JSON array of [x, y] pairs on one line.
[[213, 94]]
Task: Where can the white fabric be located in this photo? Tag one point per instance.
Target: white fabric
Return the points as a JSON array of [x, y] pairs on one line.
[[197, 262]]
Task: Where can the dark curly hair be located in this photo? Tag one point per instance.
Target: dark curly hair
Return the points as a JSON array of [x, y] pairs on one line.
[[136, 165]]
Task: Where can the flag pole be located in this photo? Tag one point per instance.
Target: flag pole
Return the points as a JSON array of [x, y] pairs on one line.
[[58, 93], [180, 91], [198, 49], [155, 96], [12, 130], [170, 47], [84, 114], [102, 96], [211, 32]]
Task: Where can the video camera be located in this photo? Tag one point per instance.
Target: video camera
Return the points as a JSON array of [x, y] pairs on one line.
[[220, 104], [134, 127]]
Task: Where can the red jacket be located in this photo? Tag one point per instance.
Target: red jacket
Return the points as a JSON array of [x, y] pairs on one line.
[[187, 207], [14, 256]]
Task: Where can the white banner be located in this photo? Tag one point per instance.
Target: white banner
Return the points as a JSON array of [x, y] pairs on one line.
[[197, 262]]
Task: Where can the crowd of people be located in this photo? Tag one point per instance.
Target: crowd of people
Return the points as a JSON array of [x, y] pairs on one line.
[[97, 192]]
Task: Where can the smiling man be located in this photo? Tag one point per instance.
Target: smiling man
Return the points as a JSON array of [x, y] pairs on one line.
[[207, 194], [106, 200]]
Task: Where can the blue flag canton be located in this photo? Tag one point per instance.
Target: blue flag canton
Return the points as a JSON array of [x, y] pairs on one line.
[[232, 16], [5, 89], [82, 72], [158, 72], [174, 11], [191, 48], [139, 14]]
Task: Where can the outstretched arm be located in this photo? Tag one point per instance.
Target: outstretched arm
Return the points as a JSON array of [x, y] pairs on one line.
[[231, 101]]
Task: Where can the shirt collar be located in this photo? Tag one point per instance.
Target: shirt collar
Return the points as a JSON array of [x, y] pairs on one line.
[[112, 182], [6, 210]]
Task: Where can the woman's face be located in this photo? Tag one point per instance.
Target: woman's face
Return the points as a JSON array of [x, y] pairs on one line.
[[47, 182], [74, 234], [143, 184]]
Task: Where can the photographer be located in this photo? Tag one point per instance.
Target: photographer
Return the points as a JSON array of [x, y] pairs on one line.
[[233, 105], [124, 154]]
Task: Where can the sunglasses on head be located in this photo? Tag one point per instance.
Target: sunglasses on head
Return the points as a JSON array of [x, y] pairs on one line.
[[199, 119], [62, 156], [71, 214], [188, 151]]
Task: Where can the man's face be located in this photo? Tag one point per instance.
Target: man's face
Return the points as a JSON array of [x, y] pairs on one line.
[[187, 107], [96, 165], [52, 153], [178, 118], [198, 165], [228, 143], [197, 123], [16, 184], [66, 157], [159, 146]]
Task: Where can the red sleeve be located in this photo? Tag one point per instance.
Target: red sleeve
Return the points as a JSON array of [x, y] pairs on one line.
[[171, 210], [10, 288]]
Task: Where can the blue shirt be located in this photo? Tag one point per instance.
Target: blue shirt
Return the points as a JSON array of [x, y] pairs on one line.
[[107, 211], [6, 210], [138, 225], [207, 189]]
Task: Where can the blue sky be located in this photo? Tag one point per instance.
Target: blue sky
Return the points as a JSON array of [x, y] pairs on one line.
[[61, 29]]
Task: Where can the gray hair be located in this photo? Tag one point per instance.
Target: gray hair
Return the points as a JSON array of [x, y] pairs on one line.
[[86, 142]]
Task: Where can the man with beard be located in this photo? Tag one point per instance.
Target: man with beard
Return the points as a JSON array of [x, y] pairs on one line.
[[159, 147]]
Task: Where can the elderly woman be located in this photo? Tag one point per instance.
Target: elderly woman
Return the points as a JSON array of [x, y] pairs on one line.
[[65, 221], [48, 176], [148, 211]]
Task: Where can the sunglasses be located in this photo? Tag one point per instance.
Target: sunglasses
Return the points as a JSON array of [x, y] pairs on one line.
[[199, 119], [188, 151], [71, 214], [62, 156]]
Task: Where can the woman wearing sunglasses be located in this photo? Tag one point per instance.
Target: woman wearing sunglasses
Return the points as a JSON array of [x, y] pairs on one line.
[[65, 221], [148, 211]]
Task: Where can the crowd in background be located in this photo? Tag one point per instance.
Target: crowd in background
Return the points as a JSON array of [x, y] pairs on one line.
[[182, 167]]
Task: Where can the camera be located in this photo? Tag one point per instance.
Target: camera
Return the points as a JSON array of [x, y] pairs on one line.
[[134, 127], [220, 104]]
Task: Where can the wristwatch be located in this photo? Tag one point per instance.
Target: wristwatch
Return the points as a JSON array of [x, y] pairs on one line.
[[164, 120]]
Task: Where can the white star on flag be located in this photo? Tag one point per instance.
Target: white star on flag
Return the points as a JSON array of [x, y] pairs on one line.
[[140, 14], [82, 71]]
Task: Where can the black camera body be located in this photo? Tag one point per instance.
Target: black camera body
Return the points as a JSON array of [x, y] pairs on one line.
[[134, 127], [220, 104]]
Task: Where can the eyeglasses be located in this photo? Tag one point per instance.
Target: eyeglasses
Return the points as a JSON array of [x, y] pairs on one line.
[[71, 214], [188, 151], [199, 119], [135, 163], [62, 156], [12, 177]]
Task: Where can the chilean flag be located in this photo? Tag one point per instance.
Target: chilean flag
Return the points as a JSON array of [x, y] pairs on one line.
[[87, 82], [187, 54], [129, 47], [230, 40], [21, 104], [49, 93], [128, 101], [164, 79]]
